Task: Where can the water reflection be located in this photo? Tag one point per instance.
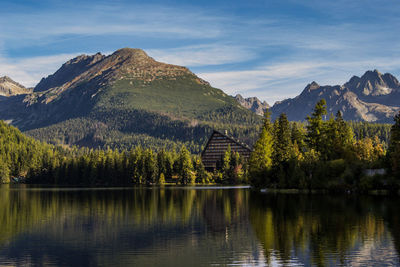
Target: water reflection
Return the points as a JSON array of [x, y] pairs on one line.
[[181, 227], [322, 230]]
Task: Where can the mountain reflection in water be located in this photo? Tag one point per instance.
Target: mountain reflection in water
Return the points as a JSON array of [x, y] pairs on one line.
[[175, 226]]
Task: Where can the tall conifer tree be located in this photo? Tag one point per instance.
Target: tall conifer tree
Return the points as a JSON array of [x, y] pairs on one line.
[[260, 160], [316, 127]]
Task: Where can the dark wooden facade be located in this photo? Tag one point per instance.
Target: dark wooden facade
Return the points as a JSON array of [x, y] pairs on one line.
[[216, 147]]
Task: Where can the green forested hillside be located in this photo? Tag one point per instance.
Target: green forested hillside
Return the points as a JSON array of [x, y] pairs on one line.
[[127, 99], [20, 154]]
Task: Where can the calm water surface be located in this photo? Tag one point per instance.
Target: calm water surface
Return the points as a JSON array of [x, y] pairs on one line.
[[194, 227]]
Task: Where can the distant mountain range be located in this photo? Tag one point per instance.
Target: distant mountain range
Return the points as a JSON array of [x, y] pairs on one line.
[[373, 97], [124, 99], [128, 98]]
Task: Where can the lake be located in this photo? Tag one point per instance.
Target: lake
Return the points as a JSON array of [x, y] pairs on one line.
[[194, 226]]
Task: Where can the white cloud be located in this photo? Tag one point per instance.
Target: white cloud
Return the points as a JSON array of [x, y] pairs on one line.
[[202, 55], [29, 71], [277, 54], [140, 20], [283, 80]]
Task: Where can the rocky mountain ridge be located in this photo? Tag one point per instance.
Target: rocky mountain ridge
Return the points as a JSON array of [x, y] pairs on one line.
[[253, 103], [373, 97], [9, 87], [98, 70]]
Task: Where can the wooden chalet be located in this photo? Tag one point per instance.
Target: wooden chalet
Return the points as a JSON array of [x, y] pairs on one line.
[[216, 147]]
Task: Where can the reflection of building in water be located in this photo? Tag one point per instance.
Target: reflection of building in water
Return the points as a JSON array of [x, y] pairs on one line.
[[221, 211], [216, 147]]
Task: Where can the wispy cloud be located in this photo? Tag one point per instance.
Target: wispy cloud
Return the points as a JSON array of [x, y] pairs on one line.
[[268, 50], [111, 19], [29, 71], [283, 80], [203, 55]]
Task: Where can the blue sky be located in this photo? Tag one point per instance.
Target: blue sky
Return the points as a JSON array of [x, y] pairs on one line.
[[269, 49]]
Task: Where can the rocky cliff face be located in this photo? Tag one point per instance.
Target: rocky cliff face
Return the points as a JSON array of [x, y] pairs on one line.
[[8, 87], [253, 103], [373, 97]]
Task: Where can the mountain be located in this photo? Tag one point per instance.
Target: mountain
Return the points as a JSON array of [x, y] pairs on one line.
[[8, 87], [253, 103], [373, 97], [124, 99]]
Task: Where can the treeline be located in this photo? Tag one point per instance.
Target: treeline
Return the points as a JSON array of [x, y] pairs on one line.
[[137, 166], [110, 167], [323, 155], [41, 163]]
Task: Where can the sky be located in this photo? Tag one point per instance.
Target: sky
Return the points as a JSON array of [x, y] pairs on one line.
[[269, 49]]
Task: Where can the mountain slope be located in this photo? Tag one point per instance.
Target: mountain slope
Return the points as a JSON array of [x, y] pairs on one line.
[[123, 99], [373, 97]]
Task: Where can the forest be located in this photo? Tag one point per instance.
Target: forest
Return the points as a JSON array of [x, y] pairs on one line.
[[40, 163], [322, 153], [325, 154]]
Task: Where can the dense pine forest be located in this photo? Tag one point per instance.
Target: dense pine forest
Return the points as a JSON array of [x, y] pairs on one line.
[[326, 154], [41, 163], [320, 154]]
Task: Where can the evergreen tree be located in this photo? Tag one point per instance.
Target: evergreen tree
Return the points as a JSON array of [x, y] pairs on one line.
[[150, 167], [201, 173], [260, 160], [226, 165], [315, 136], [394, 146], [4, 172], [185, 167], [297, 136], [161, 179], [282, 146], [345, 136]]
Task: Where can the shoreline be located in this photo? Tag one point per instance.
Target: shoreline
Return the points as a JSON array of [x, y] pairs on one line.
[[377, 192]]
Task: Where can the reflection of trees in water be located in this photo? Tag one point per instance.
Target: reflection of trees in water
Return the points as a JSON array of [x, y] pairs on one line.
[[22, 208], [311, 228], [320, 229], [82, 222], [392, 217]]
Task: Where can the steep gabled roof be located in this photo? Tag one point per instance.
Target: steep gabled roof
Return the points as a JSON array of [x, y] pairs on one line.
[[228, 137]]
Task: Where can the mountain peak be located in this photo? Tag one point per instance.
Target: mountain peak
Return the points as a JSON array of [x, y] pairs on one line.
[[131, 57], [9, 87], [72, 68], [373, 83], [87, 59], [312, 86], [91, 72], [136, 52], [371, 74], [5, 79], [372, 97]]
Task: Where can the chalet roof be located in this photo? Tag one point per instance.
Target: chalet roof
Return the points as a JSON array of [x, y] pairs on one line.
[[228, 137]]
